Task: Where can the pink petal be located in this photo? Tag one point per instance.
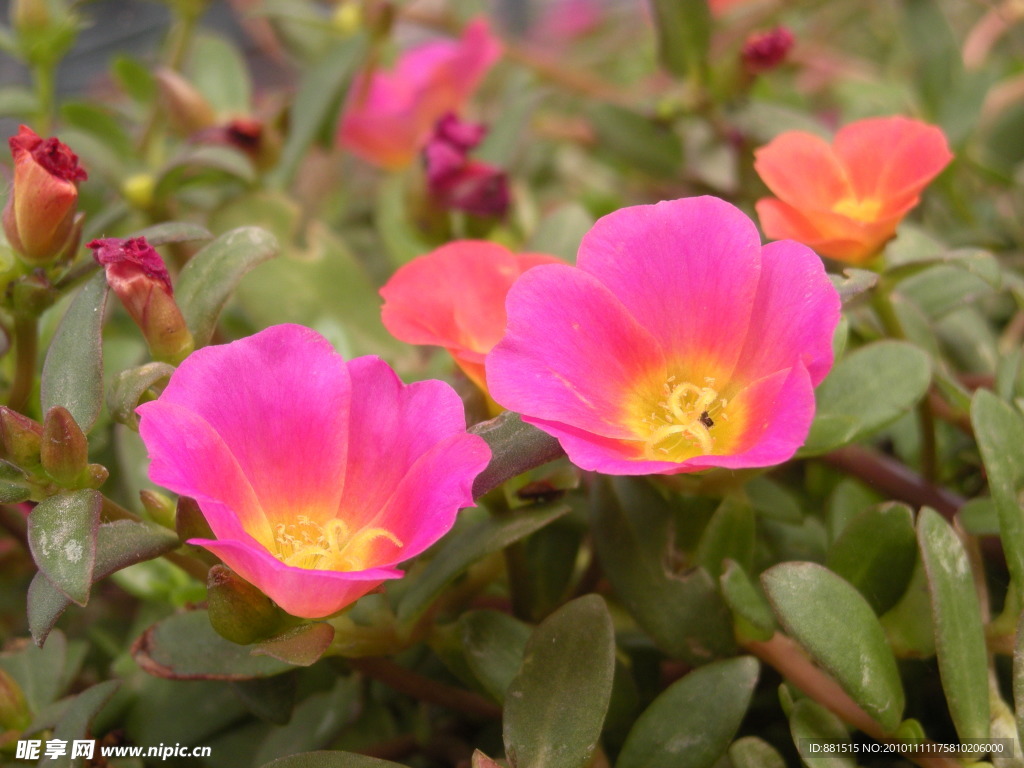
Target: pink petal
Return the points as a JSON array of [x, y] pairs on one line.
[[189, 457], [572, 352], [396, 426], [307, 593], [795, 313], [281, 408], [687, 270]]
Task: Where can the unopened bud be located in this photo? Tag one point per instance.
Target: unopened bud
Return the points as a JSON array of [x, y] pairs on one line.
[[14, 714], [64, 450], [186, 108], [480, 760], [20, 437], [29, 16], [189, 522], [238, 611], [138, 190], [137, 274], [347, 18], [764, 51], [457, 182], [160, 508], [39, 218]]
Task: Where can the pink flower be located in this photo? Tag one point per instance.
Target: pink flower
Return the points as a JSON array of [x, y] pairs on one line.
[[454, 297], [679, 343], [317, 475], [390, 116]]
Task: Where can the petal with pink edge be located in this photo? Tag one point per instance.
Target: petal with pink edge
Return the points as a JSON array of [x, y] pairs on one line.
[[395, 426], [307, 593], [571, 353], [281, 409], [794, 316], [687, 270]]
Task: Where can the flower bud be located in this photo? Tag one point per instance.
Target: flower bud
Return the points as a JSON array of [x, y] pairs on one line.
[[457, 182], [20, 438], [14, 714], [189, 522], [39, 219], [186, 108], [64, 449], [239, 612], [480, 760], [159, 507], [764, 51], [137, 274]]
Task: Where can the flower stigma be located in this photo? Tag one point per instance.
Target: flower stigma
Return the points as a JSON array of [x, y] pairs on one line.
[[681, 426], [328, 547]]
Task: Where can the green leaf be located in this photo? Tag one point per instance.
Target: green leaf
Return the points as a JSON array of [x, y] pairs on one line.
[[959, 634], [135, 78], [515, 447], [206, 282], [316, 722], [494, 643], [318, 100], [464, 547], [100, 123], [193, 162], [129, 387], [269, 698], [831, 619], [557, 703], [560, 232], [185, 647], [747, 602], [729, 535], [393, 222], [330, 760], [40, 672], [683, 613], [908, 624], [17, 102], [867, 390], [220, 74], [78, 715], [118, 545], [73, 370], [684, 35], [752, 752], [876, 553], [999, 430], [692, 722], [173, 232], [811, 722], [854, 282], [1018, 676], [973, 260], [302, 646], [62, 533], [638, 141]]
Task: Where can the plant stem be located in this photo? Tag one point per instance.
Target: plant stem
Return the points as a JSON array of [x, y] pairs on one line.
[[26, 347], [45, 82], [792, 663], [424, 688]]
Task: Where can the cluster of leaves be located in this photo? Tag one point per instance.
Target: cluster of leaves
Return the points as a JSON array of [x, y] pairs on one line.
[[871, 588]]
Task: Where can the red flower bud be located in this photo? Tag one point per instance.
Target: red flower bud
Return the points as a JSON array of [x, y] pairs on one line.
[[138, 276], [40, 213], [766, 50], [457, 182]]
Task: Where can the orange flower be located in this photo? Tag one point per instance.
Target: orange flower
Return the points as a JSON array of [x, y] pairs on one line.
[[845, 200]]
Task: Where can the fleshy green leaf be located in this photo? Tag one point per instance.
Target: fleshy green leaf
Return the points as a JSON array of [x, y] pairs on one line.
[[73, 370], [560, 232], [302, 646], [173, 232], [854, 282], [185, 647], [77, 716], [318, 100], [867, 390], [973, 260], [999, 429], [515, 447], [134, 78], [831, 619], [219, 72], [62, 535], [959, 635], [206, 282], [684, 35], [811, 722], [729, 535], [494, 643], [464, 547], [637, 141], [129, 387], [752, 752], [557, 703], [39, 672], [194, 161], [747, 602], [683, 613], [692, 722], [118, 545], [876, 553], [330, 760]]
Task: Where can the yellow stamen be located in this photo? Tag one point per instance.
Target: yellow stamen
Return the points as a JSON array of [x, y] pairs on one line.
[[860, 209], [329, 547], [683, 427]]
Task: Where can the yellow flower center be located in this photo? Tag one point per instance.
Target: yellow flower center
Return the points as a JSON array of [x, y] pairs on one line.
[[860, 209], [329, 547], [683, 424]]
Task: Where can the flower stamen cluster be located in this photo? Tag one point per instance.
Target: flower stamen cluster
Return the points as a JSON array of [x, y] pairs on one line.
[[331, 546], [683, 428]]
